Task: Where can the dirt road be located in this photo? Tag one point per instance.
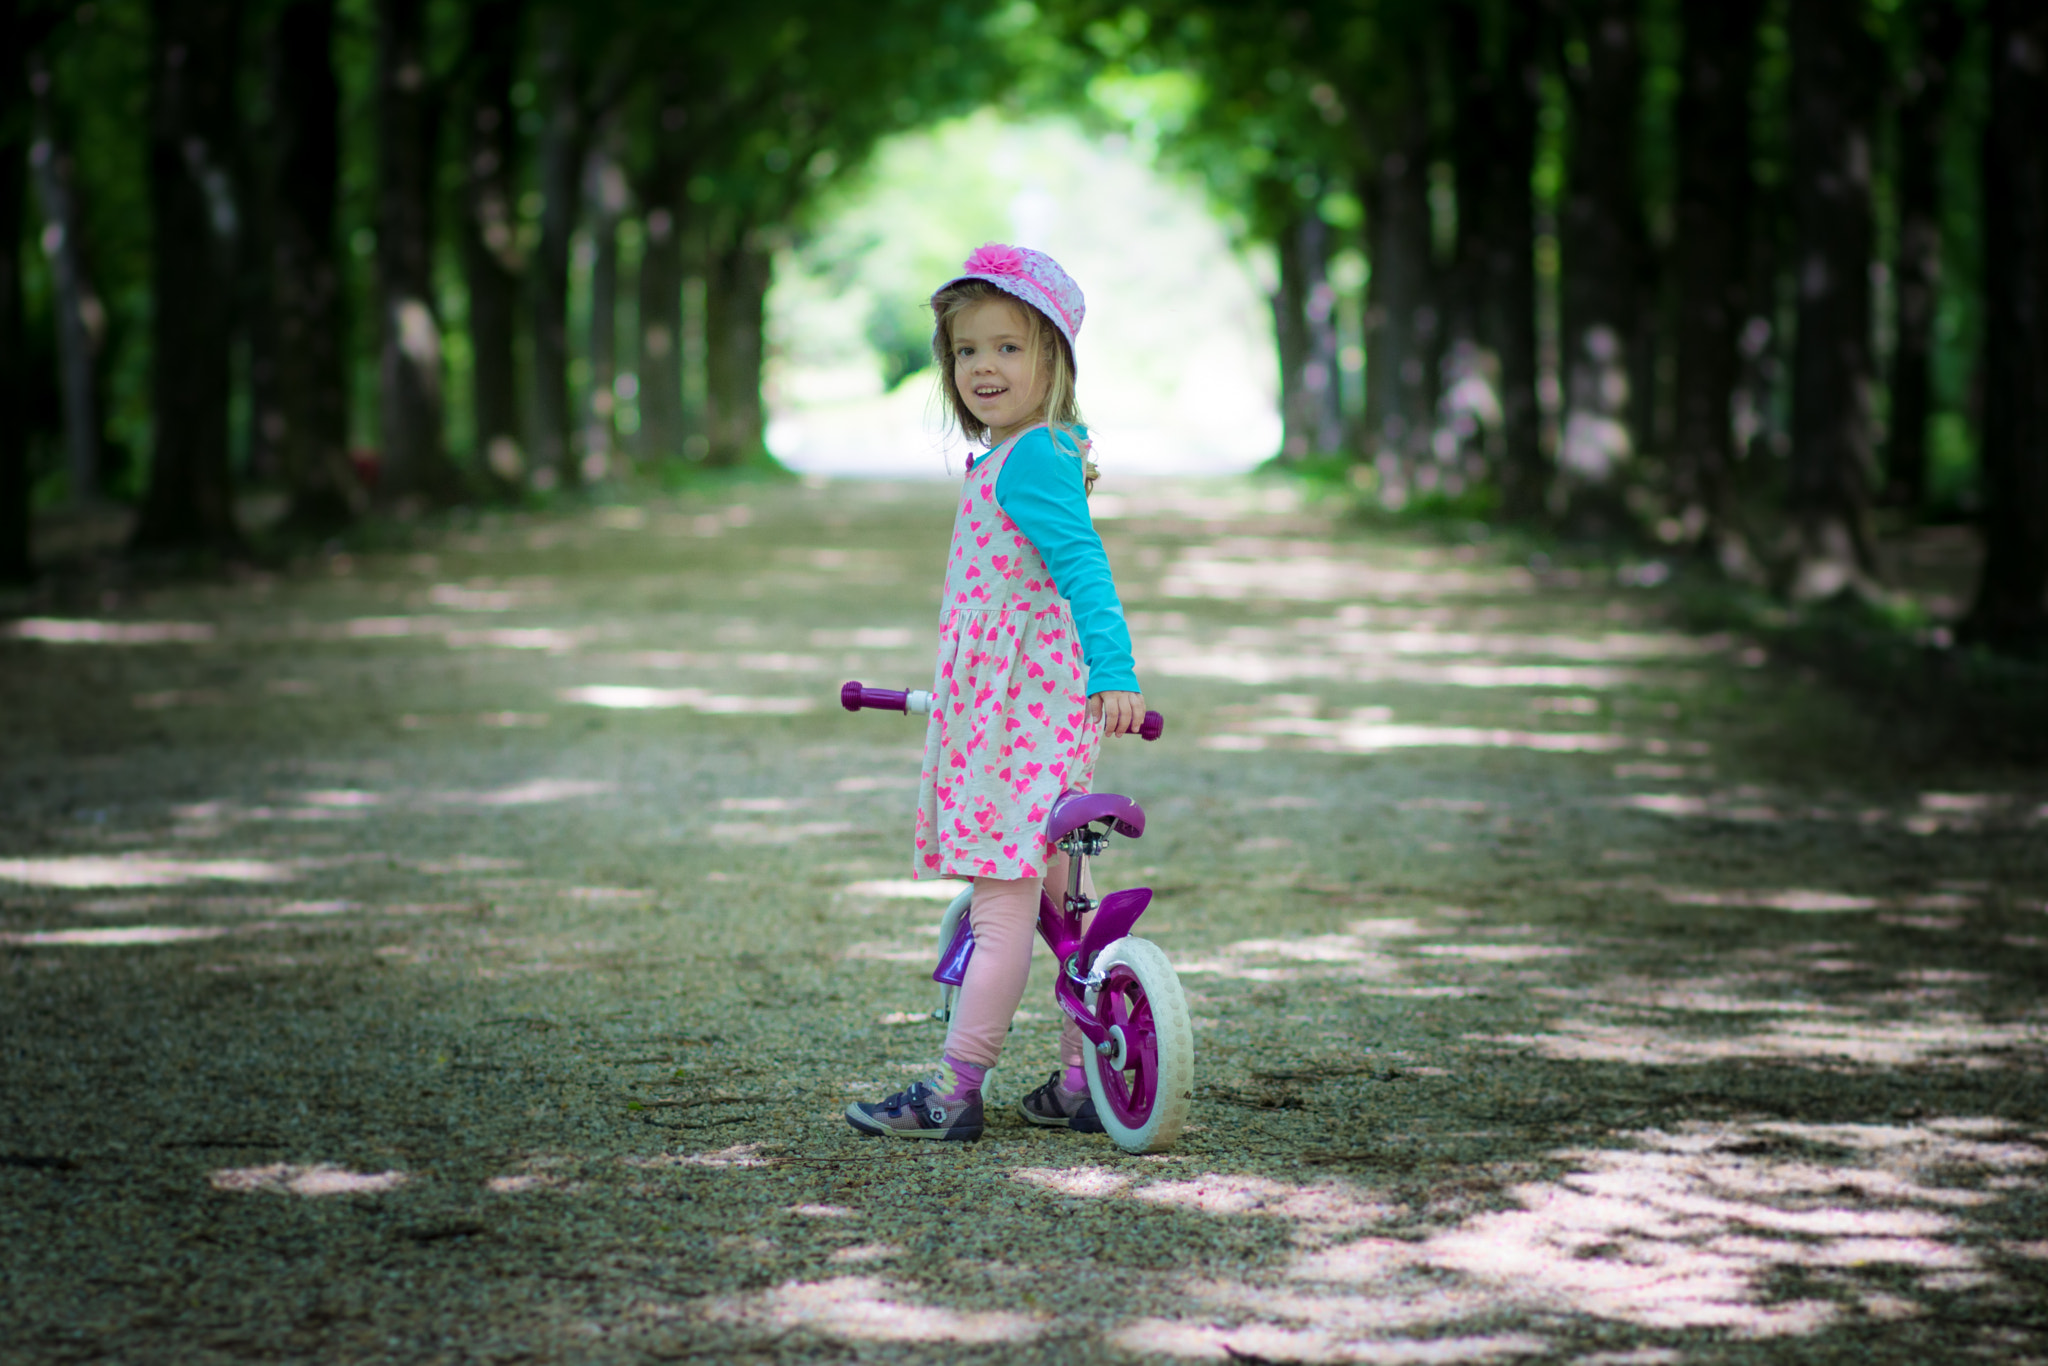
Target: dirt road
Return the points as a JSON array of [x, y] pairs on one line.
[[463, 953]]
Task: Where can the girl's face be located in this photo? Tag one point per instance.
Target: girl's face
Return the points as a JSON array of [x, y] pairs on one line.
[[995, 367]]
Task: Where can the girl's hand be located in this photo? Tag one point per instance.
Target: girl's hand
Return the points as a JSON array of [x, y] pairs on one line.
[[1121, 713]]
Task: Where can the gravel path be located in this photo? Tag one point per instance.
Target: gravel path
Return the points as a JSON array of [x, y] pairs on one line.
[[462, 953]]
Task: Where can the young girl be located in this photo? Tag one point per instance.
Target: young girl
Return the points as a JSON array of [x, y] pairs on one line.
[[1034, 669]]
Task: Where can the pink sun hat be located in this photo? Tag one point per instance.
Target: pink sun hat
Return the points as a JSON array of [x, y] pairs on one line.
[[1030, 276]]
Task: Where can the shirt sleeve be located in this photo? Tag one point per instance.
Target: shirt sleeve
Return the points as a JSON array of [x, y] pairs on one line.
[[1043, 491]]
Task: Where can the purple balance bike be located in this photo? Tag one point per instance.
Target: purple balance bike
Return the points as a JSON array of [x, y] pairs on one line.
[[1118, 989]]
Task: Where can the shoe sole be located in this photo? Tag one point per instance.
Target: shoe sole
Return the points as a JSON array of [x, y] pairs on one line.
[[868, 1127]]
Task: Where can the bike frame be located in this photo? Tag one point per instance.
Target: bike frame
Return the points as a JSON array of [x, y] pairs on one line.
[[1074, 946]]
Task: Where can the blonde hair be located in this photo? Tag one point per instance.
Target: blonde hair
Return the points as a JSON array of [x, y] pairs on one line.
[[1048, 347]]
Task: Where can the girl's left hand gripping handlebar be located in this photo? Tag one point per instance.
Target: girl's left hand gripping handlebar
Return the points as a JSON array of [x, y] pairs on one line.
[[854, 697]]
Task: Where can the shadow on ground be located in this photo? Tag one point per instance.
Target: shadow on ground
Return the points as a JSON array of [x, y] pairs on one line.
[[463, 953]]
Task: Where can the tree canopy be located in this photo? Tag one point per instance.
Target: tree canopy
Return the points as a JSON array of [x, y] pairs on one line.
[[1700, 273]]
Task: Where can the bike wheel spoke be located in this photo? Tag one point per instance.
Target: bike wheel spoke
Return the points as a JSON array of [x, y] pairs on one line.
[[1119, 1000]]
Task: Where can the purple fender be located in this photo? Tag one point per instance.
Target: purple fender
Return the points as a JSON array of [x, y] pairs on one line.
[[1112, 921], [952, 968]]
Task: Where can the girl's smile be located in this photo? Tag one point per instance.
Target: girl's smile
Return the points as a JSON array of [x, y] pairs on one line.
[[996, 367]]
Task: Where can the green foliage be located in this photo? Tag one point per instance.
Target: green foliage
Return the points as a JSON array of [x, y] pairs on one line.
[[775, 112], [1229, 93], [782, 100], [681, 476], [1657, 169], [1952, 492], [99, 73], [1338, 476], [902, 339], [1939, 696]]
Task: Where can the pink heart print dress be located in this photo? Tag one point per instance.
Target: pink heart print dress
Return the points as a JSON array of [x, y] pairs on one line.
[[1009, 729]]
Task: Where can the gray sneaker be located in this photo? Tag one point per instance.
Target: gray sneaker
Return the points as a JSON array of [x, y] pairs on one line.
[[1055, 1108], [918, 1113]]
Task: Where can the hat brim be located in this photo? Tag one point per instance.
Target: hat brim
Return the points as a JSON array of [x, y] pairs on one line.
[[1026, 292]]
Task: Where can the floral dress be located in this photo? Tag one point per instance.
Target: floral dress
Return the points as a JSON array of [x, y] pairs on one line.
[[1010, 728]]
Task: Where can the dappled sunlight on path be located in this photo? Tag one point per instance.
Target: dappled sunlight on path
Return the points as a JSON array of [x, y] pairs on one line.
[[464, 951]]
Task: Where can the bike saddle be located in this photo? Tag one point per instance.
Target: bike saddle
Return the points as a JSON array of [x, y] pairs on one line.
[[1076, 809]]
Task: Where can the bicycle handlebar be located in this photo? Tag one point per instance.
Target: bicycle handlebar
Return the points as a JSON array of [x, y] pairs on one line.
[[855, 697]]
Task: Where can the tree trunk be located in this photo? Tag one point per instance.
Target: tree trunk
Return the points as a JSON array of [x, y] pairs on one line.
[[1301, 250], [561, 171], [1290, 344], [16, 563], [194, 46], [1763, 365], [1603, 246], [1467, 434], [2011, 610], [1923, 135], [257, 333], [1402, 320], [1833, 107], [735, 293], [696, 347], [1324, 407], [491, 262], [658, 358], [413, 465], [256, 320], [305, 272], [1508, 320], [607, 193], [1714, 199], [81, 318], [661, 329], [1489, 409]]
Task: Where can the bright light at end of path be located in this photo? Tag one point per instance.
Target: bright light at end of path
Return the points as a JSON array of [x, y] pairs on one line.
[[1176, 363]]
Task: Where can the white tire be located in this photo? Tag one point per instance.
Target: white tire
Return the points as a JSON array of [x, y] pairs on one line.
[[1142, 1091], [950, 996]]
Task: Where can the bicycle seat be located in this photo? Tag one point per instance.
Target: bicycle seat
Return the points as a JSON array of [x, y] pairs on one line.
[[1076, 809]]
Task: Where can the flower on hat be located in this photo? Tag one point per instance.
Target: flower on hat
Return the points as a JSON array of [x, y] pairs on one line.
[[994, 258]]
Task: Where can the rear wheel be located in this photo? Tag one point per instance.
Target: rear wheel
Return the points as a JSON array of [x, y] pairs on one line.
[[1142, 1088], [950, 996]]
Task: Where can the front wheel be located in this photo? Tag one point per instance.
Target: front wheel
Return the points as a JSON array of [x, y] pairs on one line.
[[1142, 1089]]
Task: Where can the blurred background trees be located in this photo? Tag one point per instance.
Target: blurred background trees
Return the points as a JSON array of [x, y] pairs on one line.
[[1754, 280]]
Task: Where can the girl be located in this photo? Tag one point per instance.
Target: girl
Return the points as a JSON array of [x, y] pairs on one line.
[[1034, 669]]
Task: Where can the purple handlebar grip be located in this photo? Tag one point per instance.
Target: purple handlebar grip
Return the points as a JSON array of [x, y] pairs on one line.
[[853, 697]]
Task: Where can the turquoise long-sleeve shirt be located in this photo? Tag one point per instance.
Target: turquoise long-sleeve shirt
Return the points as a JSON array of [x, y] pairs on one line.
[[1045, 493]]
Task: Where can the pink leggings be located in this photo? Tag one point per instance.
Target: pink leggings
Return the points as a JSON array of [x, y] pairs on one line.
[[1005, 918]]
